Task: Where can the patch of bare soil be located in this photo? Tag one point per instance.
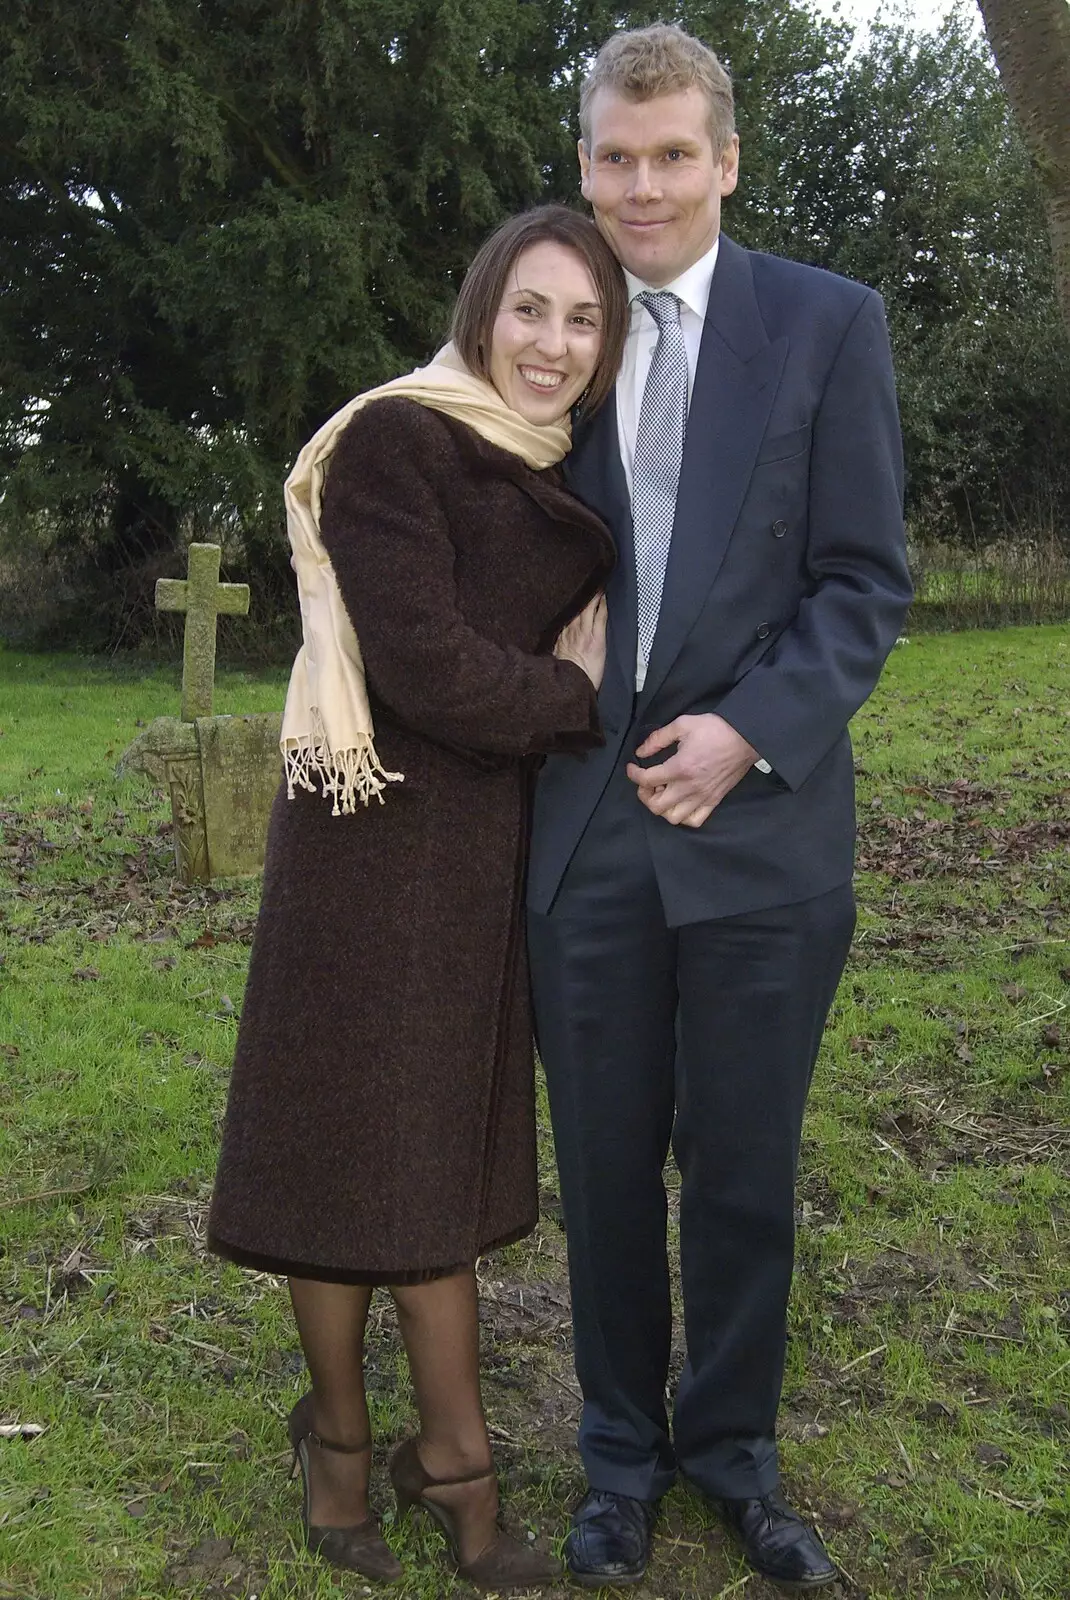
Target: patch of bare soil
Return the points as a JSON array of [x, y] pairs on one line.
[[965, 844], [213, 1567], [935, 1139], [120, 881]]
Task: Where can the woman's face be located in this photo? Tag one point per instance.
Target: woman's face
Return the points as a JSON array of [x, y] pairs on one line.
[[548, 333]]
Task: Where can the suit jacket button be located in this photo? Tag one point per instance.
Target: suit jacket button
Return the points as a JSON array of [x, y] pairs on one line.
[[764, 630], [780, 528]]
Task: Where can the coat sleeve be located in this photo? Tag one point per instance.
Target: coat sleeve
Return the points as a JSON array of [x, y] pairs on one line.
[[797, 700], [385, 527]]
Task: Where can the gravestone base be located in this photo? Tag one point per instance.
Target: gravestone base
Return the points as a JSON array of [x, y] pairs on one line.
[[222, 774]]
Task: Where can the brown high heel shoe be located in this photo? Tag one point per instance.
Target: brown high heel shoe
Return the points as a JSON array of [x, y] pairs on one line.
[[505, 1563], [360, 1548]]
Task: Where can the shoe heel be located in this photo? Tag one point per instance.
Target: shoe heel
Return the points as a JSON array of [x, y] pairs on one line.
[[406, 1500]]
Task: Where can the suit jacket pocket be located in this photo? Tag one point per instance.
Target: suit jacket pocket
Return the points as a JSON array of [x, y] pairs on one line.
[[783, 446]]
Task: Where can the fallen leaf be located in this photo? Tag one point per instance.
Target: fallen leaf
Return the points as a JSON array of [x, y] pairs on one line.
[[203, 941], [840, 1515], [86, 974], [12, 1051], [1052, 1036], [813, 1430], [165, 963]]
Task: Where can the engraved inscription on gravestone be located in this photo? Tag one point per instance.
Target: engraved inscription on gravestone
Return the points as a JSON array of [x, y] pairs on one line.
[[182, 772]]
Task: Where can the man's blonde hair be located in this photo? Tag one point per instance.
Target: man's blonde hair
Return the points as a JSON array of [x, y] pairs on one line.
[[642, 63]]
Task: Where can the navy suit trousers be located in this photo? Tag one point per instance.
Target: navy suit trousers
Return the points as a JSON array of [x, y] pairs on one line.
[[703, 1037]]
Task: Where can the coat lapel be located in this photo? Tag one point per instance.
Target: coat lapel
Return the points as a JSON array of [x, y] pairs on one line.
[[594, 472], [735, 385]]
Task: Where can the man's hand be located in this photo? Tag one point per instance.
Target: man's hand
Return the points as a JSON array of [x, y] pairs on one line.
[[710, 759]]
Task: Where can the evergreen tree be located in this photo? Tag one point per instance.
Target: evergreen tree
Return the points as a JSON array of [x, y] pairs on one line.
[[220, 220]]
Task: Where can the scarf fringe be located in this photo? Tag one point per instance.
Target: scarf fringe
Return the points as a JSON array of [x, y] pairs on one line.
[[345, 776]]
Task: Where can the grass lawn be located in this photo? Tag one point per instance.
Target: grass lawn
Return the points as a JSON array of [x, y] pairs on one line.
[[926, 1417]]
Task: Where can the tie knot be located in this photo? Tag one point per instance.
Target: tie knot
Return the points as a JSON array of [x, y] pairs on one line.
[[663, 306]]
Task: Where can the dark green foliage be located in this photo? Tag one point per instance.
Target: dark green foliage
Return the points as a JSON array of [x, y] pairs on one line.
[[217, 221], [223, 220], [930, 197]]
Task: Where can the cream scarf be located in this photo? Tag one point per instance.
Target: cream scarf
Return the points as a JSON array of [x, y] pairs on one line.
[[327, 730]]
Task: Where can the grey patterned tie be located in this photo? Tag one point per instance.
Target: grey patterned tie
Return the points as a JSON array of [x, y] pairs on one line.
[[659, 454]]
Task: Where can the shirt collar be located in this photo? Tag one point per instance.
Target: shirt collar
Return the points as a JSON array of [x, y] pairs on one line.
[[692, 287]]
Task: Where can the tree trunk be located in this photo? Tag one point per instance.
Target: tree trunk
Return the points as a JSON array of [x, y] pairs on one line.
[[1031, 43]]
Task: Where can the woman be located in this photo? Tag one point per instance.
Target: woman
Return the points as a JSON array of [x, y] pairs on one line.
[[380, 1128]]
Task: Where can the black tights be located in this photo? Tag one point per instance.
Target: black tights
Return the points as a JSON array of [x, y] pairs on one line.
[[439, 1323]]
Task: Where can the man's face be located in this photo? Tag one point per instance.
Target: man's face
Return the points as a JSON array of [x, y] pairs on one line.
[[654, 182]]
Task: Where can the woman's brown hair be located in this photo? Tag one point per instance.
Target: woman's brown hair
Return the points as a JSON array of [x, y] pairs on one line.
[[485, 282]]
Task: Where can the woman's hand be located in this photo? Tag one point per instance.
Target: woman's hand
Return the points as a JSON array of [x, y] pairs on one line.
[[583, 640]]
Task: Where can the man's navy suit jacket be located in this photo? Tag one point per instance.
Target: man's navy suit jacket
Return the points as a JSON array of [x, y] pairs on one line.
[[786, 587]]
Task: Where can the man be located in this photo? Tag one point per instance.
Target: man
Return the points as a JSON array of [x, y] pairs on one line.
[[690, 885]]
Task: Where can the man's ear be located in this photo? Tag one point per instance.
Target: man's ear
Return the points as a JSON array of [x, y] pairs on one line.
[[585, 168], [730, 166]]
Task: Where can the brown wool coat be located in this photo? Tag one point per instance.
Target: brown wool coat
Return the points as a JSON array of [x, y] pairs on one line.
[[380, 1125]]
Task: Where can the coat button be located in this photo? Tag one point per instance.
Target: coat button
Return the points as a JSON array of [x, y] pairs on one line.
[[764, 630], [780, 528]]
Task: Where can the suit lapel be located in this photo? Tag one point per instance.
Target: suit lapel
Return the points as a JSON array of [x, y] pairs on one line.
[[594, 472], [736, 382]]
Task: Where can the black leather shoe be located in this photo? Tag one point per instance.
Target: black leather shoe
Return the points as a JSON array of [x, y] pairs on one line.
[[778, 1543], [609, 1540]]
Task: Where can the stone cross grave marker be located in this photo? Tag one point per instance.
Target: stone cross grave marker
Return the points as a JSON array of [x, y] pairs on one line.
[[203, 598], [221, 772]]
